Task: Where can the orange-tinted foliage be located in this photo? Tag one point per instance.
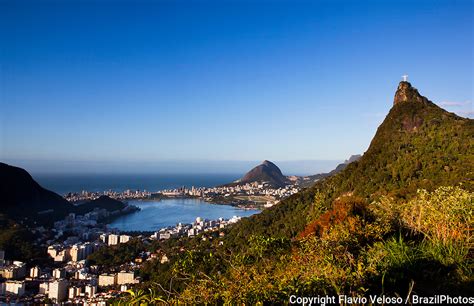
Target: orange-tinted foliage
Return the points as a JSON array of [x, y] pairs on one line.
[[343, 207]]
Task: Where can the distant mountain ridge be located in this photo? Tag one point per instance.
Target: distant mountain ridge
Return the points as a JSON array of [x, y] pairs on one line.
[[270, 173], [308, 181]]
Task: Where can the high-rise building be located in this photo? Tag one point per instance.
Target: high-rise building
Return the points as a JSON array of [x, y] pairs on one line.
[[74, 253], [104, 238], [62, 256], [35, 272], [113, 239], [107, 280], [52, 251], [74, 291], [90, 290], [58, 290], [15, 287], [77, 253], [17, 270], [80, 274], [124, 238], [43, 288], [125, 278], [59, 273]]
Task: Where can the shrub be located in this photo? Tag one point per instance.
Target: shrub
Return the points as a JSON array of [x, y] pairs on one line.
[[444, 215]]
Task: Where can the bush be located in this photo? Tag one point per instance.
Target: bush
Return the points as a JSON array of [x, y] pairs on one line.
[[444, 215]]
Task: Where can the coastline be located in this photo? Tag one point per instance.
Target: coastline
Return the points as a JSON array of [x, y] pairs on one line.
[[171, 211], [215, 201], [130, 209]]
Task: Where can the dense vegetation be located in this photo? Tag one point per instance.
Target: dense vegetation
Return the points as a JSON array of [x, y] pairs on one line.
[[398, 220], [424, 244], [399, 161], [103, 202], [111, 257], [363, 249], [18, 242]]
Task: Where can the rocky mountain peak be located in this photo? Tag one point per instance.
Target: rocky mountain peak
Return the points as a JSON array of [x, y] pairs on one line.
[[265, 172], [407, 93]]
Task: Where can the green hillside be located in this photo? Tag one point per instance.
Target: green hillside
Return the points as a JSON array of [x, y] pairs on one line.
[[418, 145], [399, 220]]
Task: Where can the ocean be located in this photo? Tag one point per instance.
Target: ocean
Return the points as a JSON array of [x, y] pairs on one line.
[[64, 183]]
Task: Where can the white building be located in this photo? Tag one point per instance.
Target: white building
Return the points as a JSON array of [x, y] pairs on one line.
[[61, 256], [53, 251], [43, 288], [124, 238], [59, 273], [15, 287], [35, 272], [58, 290], [74, 291], [16, 270], [107, 280], [125, 278], [81, 274], [113, 239], [104, 238], [76, 253]]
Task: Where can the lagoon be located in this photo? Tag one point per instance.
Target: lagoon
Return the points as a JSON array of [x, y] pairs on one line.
[[155, 215]]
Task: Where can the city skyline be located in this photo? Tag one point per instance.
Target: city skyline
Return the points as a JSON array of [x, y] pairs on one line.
[[89, 82]]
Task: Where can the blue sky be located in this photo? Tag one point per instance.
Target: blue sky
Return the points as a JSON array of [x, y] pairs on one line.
[[158, 81]]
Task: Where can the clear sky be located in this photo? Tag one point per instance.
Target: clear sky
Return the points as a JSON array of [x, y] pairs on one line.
[[153, 81]]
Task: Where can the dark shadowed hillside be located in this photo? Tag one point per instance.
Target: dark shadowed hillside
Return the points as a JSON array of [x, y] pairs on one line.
[[23, 199], [103, 202], [22, 196]]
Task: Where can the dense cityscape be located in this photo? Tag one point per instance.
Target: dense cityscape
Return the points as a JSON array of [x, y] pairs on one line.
[[241, 195], [69, 277]]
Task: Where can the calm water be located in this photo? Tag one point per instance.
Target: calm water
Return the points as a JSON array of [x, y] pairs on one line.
[[158, 214], [154, 214], [64, 183]]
